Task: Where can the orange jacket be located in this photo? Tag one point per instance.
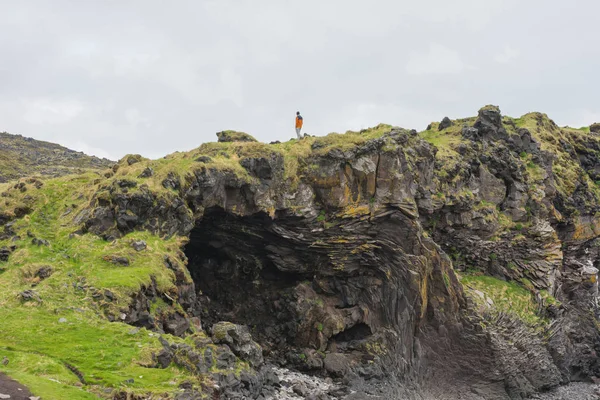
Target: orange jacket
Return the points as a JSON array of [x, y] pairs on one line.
[[299, 121]]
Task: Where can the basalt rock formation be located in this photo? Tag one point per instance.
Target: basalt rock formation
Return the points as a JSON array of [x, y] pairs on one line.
[[459, 262]]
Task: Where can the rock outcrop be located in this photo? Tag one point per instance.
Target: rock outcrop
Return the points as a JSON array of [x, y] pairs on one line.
[[456, 263], [22, 156]]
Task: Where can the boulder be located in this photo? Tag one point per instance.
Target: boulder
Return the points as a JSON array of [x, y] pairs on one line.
[[234, 136], [238, 338], [146, 173], [44, 272], [139, 245], [446, 123]]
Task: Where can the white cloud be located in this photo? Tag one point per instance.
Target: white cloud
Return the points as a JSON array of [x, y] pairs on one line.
[[92, 151], [158, 79], [134, 117], [508, 54], [367, 115], [50, 111], [437, 60], [584, 118]]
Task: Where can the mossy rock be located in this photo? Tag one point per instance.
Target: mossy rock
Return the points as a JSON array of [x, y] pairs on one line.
[[595, 127], [234, 136], [489, 107]]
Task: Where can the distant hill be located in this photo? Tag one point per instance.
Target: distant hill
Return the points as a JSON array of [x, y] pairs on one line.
[[21, 156]]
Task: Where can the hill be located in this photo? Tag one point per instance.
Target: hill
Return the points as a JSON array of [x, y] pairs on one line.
[[21, 156], [456, 262]]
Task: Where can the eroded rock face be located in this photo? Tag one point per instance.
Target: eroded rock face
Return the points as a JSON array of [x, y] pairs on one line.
[[349, 272]]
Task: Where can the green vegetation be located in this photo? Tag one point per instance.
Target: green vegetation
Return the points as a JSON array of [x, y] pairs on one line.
[[234, 136], [507, 297], [566, 169], [444, 140], [22, 157], [321, 217], [67, 324]]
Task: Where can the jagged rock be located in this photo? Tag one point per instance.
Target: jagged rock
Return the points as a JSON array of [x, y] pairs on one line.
[[108, 295], [126, 183], [238, 338], [5, 252], [21, 211], [146, 173], [164, 358], [225, 358], [171, 182], [176, 324], [139, 245], [203, 159], [262, 168], [44, 272], [446, 123], [133, 159], [29, 295], [40, 242], [336, 364]]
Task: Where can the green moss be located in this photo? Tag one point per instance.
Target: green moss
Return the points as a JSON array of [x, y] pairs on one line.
[[490, 107], [507, 297], [234, 136], [548, 298], [566, 169], [106, 353], [446, 279], [321, 217]]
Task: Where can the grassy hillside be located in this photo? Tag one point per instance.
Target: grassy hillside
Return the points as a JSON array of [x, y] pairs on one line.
[[21, 156]]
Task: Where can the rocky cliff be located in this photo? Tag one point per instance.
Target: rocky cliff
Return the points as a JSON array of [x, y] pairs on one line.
[[21, 156], [458, 262]]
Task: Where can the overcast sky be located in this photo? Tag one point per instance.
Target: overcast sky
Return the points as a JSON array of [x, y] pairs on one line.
[[152, 77]]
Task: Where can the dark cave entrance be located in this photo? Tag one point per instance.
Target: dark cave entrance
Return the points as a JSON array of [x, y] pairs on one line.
[[232, 261]]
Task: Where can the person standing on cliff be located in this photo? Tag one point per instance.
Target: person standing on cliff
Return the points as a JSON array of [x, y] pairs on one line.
[[299, 122]]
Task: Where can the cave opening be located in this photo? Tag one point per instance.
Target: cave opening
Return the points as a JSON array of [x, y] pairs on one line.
[[234, 261], [358, 332]]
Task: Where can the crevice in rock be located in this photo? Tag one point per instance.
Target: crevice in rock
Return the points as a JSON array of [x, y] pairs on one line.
[[359, 331]]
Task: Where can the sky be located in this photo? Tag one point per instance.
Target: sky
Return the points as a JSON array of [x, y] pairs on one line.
[[110, 77]]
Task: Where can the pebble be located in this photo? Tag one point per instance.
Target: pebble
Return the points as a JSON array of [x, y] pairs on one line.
[[62, 320], [4, 396]]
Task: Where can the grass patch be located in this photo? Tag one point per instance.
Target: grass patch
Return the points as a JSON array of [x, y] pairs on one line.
[[508, 297], [38, 345]]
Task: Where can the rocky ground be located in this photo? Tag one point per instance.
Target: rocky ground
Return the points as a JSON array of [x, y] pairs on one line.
[[12, 390], [573, 391], [21, 156]]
